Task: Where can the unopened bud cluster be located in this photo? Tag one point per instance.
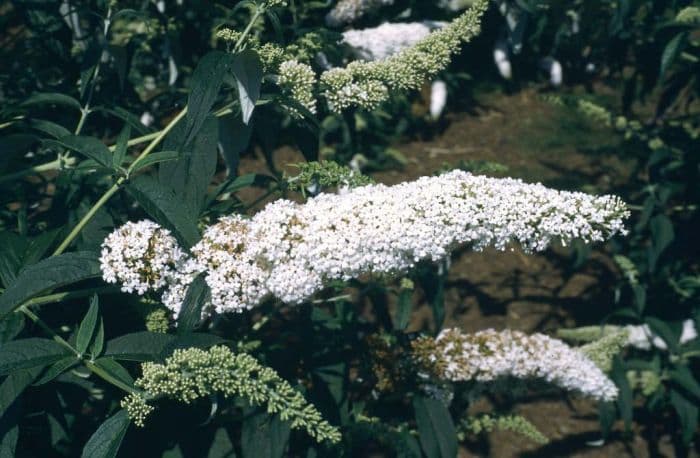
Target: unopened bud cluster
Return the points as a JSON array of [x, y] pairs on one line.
[[193, 374], [367, 84]]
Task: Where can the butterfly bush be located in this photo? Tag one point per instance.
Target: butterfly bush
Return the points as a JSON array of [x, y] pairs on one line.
[[489, 355], [290, 250], [388, 39]]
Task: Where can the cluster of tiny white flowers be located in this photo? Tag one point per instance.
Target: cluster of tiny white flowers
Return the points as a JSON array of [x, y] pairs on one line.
[[290, 250], [489, 355], [348, 11], [299, 80], [141, 256], [388, 39]]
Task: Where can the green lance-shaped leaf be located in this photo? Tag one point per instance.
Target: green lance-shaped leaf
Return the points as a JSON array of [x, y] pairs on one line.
[[90, 147], [161, 203], [662, 235], [687, 412], [105, 442], [263, 435], [28, 353], [138, 346], [189, 177], [197, 295], [152, 346], [436, 430], [247, 69], [14, 384], [121, 147], [87, 326], [51, 98], [672, 51], [207, 79], [49, 274]]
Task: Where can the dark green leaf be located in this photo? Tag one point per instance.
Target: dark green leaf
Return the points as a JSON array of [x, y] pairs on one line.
[[234, 136], [12, 249], [687, 411], [672, 51], [28, 353], [625, 397], [49, 128], [204, 89], [39, 246], [121, 146], [263, 436], [90, 147], [436, 430], [105, 442], [403, 309], [247, 69], [87, 326], [155, 158], [191, 312], [10, 327], [684, 378], [13, 386], [116, 370], [9, 432], [51, 98], [607, 415], [189, 177], [661, 236], [221, 445], [663, 330], [161, 203], [139, 346], [49, 274], [98, 343], [56, 369]]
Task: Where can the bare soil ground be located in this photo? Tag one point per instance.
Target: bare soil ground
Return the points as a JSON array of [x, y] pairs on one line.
[[537, 141]]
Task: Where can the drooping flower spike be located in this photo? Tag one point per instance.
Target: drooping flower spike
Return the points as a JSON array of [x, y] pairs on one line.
[[290, 251]]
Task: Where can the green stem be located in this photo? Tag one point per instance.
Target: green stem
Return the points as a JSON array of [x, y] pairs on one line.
[[88, 216], [39, 322], [89, 364], [117, 185], [58, 164], [156, 141], [245, 33]]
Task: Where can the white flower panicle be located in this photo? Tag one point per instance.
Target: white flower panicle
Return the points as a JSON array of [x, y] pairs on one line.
[[141, 256], [488, 355], [290, 250], [298, 80], [388, 39], [348, 11]]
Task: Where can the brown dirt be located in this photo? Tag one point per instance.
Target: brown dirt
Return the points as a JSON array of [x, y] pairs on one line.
[[534, 293]]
